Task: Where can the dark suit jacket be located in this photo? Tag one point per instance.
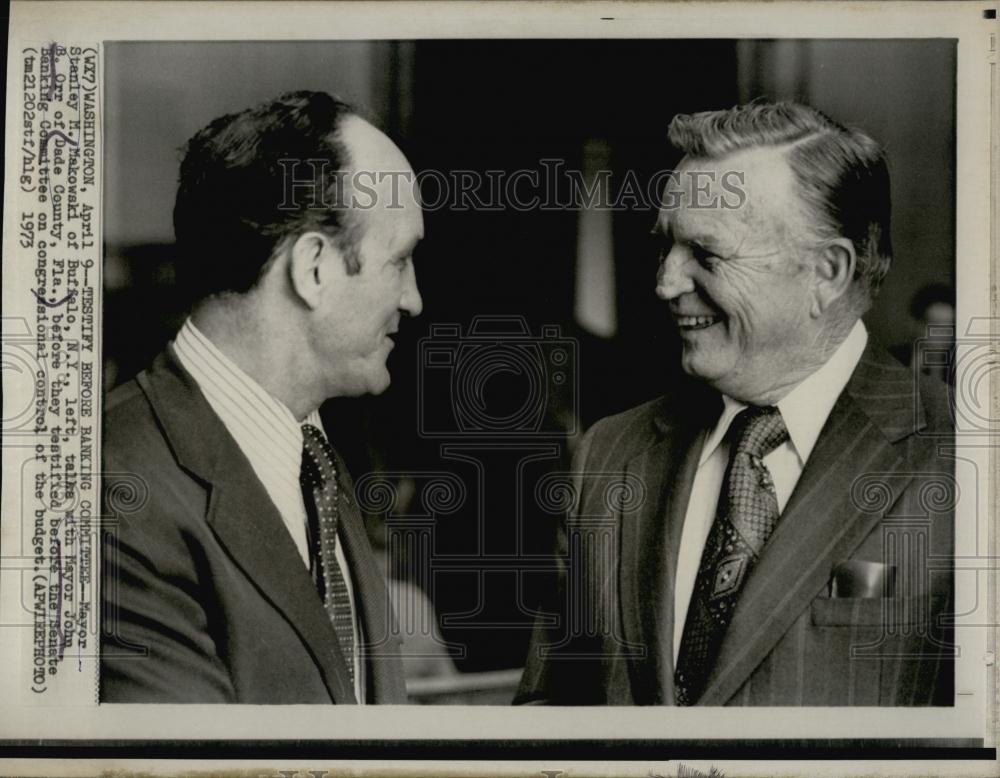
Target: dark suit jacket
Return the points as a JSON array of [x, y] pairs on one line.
[[875, 488], [206, 598]]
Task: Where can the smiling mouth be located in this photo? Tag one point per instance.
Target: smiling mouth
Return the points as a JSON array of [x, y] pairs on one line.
[[692, 323]]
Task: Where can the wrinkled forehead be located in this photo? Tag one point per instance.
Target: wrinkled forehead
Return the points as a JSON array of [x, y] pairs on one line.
[[741, 190]]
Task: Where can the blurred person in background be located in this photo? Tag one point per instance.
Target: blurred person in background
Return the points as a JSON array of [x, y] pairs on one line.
[[932, 342]]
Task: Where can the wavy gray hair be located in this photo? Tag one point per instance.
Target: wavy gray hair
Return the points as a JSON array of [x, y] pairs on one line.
[[841, 173]]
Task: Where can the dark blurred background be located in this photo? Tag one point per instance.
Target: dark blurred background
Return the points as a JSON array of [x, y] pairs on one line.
[[506, 105]]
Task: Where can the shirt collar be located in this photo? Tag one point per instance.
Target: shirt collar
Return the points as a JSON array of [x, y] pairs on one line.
[[210, 366], [730, 408], [807, 406]]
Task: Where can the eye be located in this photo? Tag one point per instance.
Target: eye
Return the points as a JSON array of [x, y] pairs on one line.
[[703, 256]]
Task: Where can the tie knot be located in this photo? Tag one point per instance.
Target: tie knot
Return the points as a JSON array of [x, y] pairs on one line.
[[318, 463], [759, 430]]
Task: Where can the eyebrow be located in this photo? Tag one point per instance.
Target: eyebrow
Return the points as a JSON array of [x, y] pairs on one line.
[[708, 241], [668, 234], [409, 248]]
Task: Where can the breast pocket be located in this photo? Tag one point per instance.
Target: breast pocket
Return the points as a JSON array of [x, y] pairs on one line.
[[879, 650], [892, 614]]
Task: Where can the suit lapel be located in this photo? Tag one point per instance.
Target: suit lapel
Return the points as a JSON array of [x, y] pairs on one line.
[[242, 515], [826, 517], [650, 539]]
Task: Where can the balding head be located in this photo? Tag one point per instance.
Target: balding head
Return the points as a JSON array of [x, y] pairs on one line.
[[252, 180], [380, 191], [298, 223]]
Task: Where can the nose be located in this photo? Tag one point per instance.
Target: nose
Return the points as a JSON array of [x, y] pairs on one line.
[[411, 302], [674, 276]]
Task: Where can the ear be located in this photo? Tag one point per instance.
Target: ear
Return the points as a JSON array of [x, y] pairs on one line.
[[308, 265], [835, 266]]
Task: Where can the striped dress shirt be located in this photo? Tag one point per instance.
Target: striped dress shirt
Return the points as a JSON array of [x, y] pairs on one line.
[[270, 437]]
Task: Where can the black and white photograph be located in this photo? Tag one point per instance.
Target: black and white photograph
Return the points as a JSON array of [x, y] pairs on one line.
[[587, 381], [616, 405]]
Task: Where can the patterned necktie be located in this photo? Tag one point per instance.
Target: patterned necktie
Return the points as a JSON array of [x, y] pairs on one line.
[[319, 487], [744, 520]]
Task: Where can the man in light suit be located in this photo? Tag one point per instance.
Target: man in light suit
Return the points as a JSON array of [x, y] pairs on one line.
[[236, 567], [778, 528]]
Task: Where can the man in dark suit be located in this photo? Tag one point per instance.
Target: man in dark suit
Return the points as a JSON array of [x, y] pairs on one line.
[[778, 528], [236, 566]]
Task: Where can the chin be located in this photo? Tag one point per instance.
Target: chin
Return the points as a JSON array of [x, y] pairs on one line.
[[380, 384], [701, 366]]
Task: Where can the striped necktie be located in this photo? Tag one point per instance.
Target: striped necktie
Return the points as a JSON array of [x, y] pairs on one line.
[[319, 487]]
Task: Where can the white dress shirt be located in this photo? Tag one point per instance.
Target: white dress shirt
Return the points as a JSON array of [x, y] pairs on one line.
[[805, 410], [270, 437]]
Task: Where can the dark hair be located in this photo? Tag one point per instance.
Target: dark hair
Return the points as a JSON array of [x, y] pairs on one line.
[[233, 207], [841, 173]]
